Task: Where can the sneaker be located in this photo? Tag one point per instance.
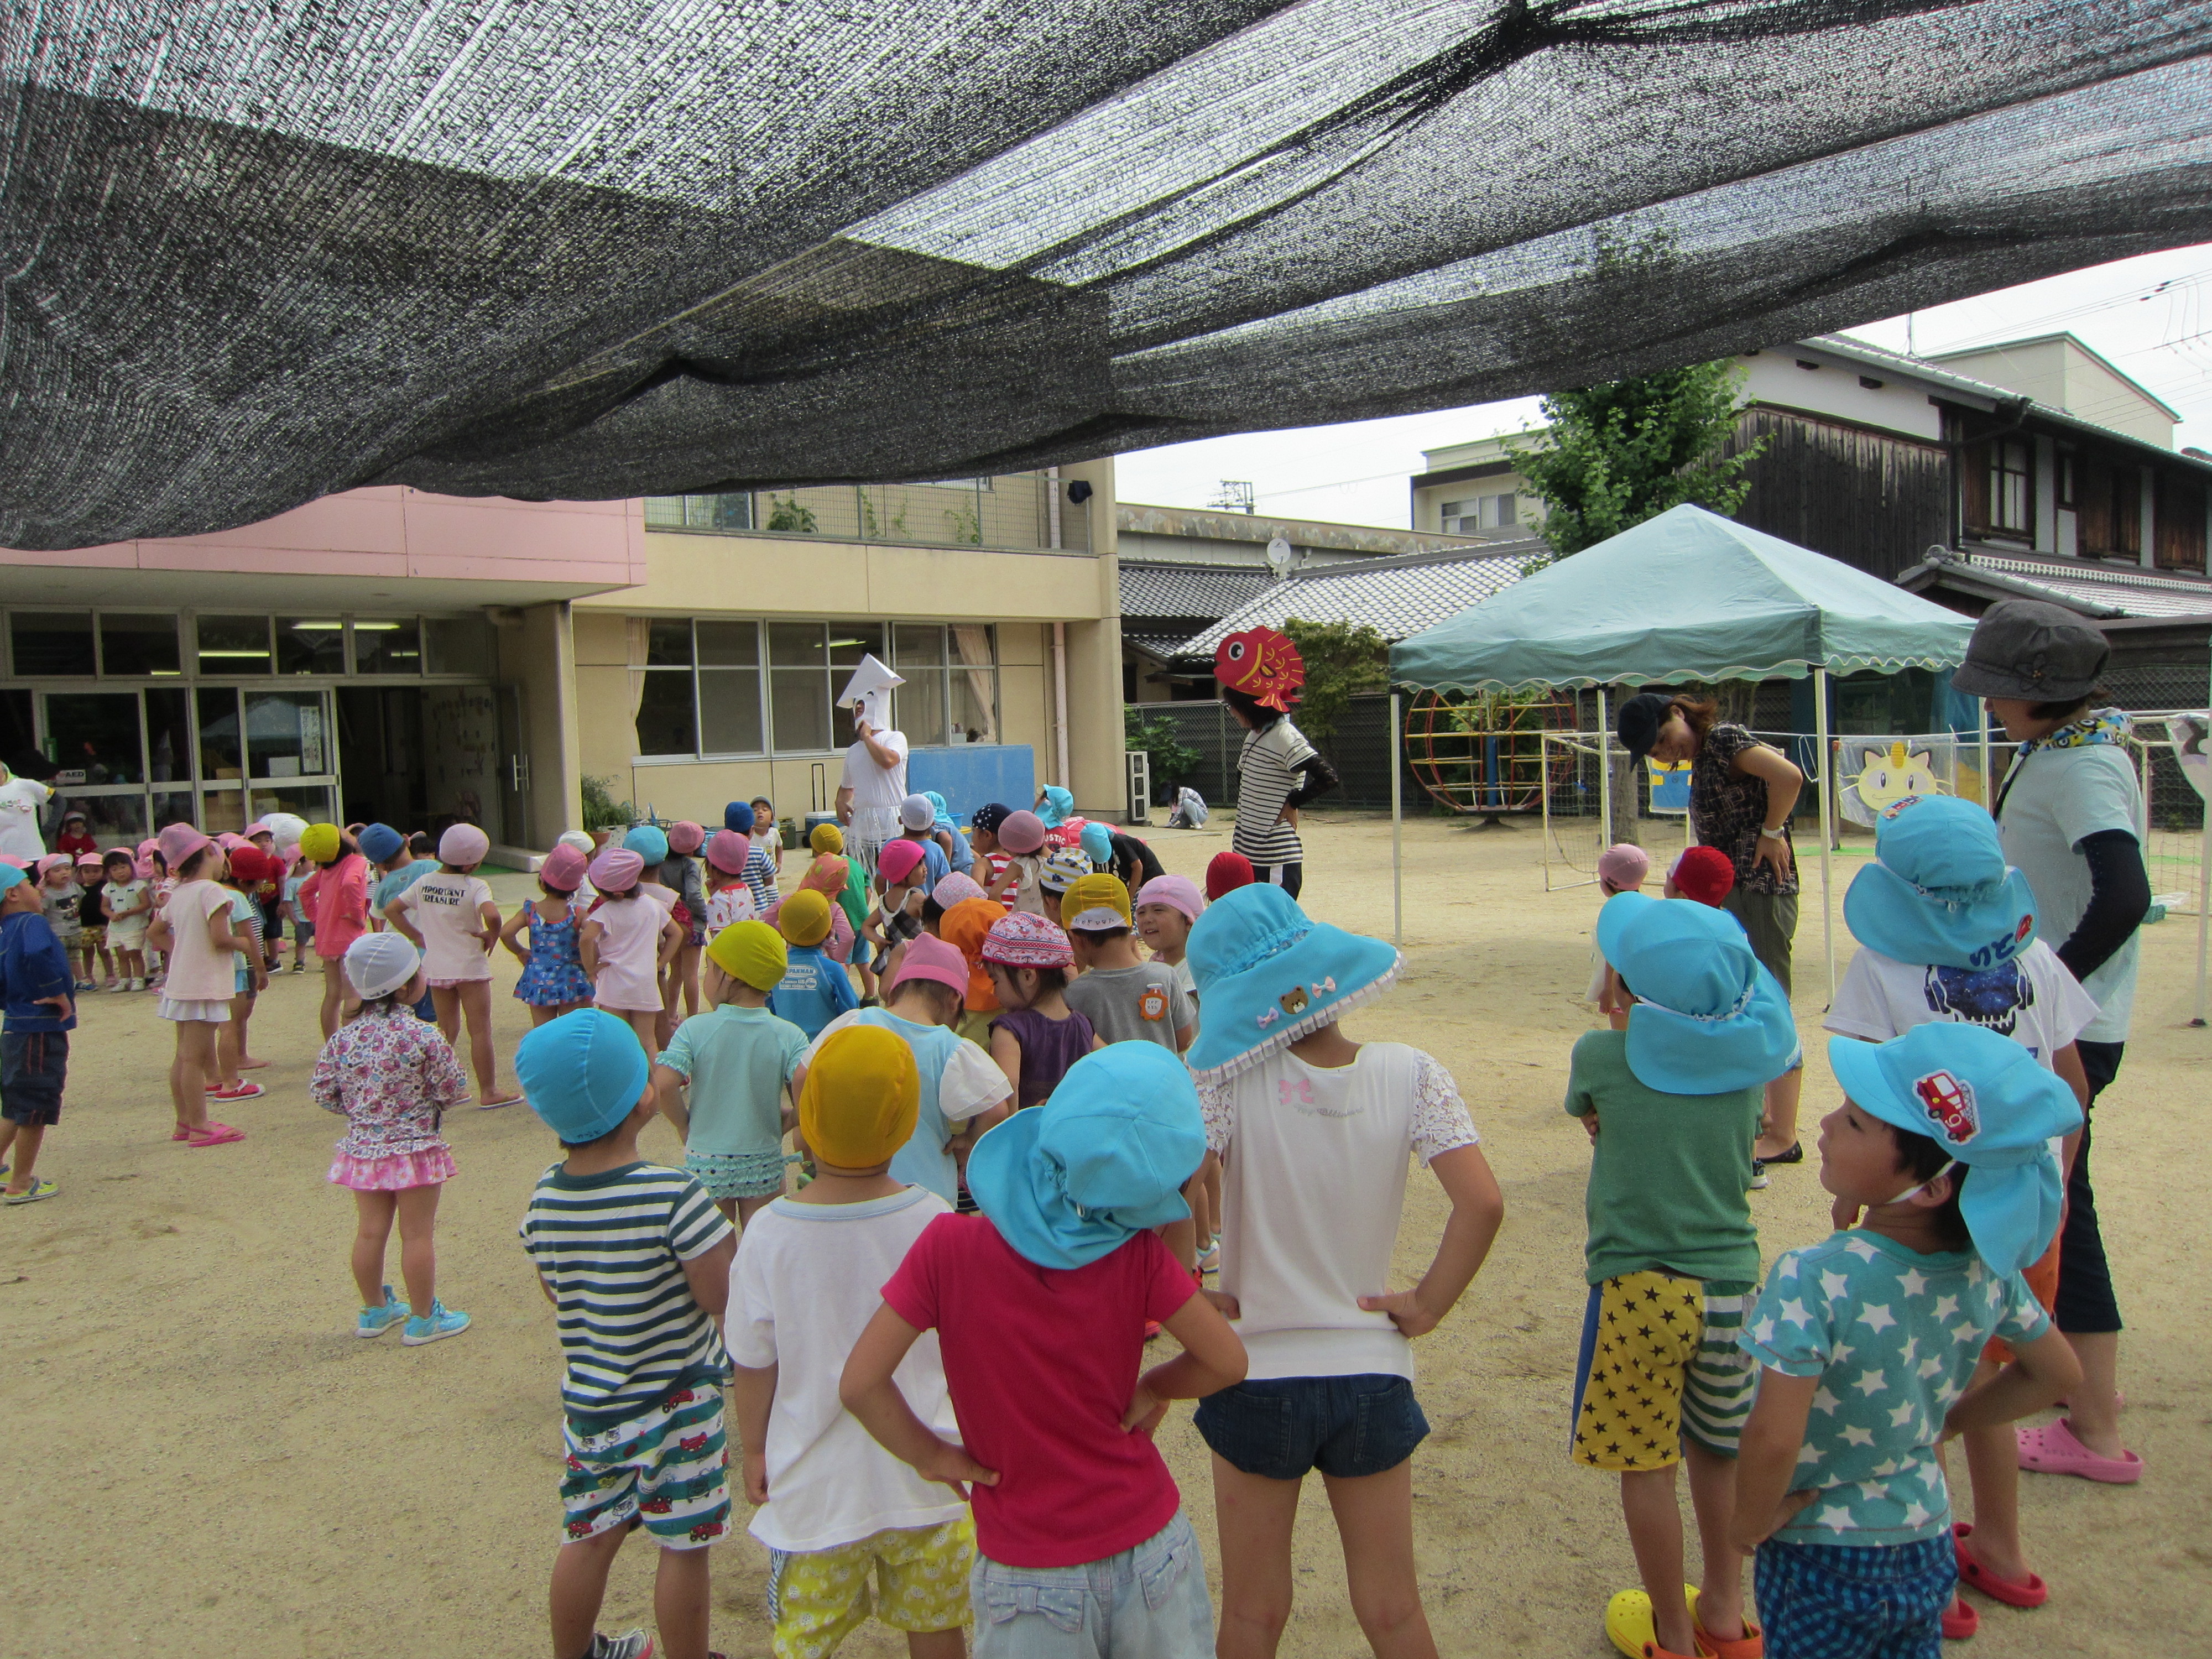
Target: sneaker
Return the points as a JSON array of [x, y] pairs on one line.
[[299, 967], [442, 1323], [630, 1645], [242, 1091], [1209, 1261], [38, 1189], [1760, 1181], [375, 1321], [135, 985]]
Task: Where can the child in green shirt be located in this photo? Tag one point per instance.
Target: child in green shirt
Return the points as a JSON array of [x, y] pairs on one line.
[[1672, 1106]]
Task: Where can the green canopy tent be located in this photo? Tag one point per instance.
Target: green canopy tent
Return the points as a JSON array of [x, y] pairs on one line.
[[1688, 595]]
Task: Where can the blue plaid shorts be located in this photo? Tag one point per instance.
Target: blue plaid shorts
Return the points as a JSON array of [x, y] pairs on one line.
[[1845, 1601]]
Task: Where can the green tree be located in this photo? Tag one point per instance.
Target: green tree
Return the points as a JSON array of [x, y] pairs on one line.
[[1172, 761], [601, 810], [1621, 453], [1343, 659]]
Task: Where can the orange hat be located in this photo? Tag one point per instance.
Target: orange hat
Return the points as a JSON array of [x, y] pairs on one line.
[[964, 928]]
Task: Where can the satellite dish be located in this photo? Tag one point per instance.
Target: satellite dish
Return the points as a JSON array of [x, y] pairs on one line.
[[1279, 555]]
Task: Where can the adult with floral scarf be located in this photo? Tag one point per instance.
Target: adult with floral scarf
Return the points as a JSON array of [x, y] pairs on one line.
[[2070, 812]]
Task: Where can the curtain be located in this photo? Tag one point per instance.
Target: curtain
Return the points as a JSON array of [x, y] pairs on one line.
[[971, 643]]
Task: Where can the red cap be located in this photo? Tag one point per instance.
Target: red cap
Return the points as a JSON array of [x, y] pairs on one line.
[[1227, 872], [249, 865], [1703, 874]]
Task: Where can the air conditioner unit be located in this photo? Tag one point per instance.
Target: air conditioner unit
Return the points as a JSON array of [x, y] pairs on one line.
[[1140, 787]]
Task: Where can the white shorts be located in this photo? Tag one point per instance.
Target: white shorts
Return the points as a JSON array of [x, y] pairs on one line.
[[211, 1013]]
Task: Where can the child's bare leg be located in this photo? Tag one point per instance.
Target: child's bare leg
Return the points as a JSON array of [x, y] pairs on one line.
[[579, 1585], [539, 1013], [728, 1206], [1993, 1467], [24, 1139], [937, 1643], [1779, 1133], [1375, 1524], [681, 1591], [241, 1015], [1212, 1169], [372, 1232], [646, 1023], [1655, 1532], [226, 1050], [749, 1208], [334, 991], [188, 1072], [475, 999], [418, 1257], [446, 1000], [1253, 1519], [1712, 1500], [687, 971]]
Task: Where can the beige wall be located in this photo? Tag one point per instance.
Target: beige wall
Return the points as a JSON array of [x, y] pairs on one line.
[[703, 574], [535, 653]]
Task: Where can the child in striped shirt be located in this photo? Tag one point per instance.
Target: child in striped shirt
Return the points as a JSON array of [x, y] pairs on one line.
[[636, 1259]]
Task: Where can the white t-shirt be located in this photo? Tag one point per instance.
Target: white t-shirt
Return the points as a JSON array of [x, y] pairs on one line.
[[2056, 798], [872, 785], [1311, 1191], [2031, 999], [447, 909], [806, 1281], [20, 801]]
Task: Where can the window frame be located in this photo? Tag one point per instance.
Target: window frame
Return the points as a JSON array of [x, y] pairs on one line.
[[2007, 481]]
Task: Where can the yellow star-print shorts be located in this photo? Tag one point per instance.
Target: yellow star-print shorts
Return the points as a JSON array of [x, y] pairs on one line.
[[819, 1597], [1660, 1361]]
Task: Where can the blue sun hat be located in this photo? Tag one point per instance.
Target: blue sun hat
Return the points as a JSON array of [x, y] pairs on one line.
[[943, 811], [1989, 1104], [1104, 1159], [583, 1074], [1939, 894], [1708, 1017], [1058, 806], [649, 842], [1268, 974], [1097, 843]]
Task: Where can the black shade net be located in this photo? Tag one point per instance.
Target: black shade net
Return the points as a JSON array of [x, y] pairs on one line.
[[251, 254]]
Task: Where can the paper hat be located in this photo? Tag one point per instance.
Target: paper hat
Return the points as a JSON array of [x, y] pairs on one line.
[[868, 693]]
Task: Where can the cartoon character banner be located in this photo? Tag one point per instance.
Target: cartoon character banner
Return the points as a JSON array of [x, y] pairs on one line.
[[1875, 773]]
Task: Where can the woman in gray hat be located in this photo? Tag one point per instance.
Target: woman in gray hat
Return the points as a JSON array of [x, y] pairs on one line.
[[1741, 793], [2070, 812]]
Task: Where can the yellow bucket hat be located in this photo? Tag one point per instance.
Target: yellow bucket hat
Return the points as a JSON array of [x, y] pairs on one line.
[[752, 951], [1096, 901], [804, 917], [320, 842], [862, 1097], [826, 838]]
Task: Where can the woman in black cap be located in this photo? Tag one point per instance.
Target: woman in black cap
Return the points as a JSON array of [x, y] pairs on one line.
[[1741, 795], [2069, 811]]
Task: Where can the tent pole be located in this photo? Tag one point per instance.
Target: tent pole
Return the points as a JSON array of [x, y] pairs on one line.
[[1397, 834], [1604, 777], [2204, 891], [1827, 835], [1989, 779]]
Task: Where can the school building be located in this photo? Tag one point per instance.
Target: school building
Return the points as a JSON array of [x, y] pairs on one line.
[[388, 654]]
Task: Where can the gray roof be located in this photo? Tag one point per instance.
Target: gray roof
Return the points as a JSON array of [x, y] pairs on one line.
[[1185, 592], [2098, 589], [1394, 597]]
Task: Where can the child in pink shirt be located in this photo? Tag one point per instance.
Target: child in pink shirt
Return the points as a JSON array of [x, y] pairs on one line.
[[195, 928], [1040, 1304], [336, 899]]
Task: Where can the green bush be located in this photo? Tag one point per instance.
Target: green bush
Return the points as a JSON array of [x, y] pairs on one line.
[[601, 810], [1172, 762]]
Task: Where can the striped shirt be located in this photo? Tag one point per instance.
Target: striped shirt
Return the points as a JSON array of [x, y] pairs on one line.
[[760, 876], [1270, 766], [611, 1247]]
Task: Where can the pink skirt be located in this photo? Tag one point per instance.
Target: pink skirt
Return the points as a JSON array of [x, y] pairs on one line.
[[394, 1172]]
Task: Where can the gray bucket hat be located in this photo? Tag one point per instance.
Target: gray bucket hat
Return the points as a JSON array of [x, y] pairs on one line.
[[2027, 649]]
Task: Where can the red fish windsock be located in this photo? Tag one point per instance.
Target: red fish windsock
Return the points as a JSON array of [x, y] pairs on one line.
[[1262, 664]]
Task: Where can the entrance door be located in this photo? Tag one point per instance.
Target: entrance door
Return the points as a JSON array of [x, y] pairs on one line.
[[514, 770]]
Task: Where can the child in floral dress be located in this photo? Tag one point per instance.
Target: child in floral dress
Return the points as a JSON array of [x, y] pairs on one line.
[[392, 1077]]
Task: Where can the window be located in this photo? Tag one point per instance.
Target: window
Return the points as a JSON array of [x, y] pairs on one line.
[[51, 642], [233, 645], [2125, 536], [310, 645], [459, 644], [95, 735], [2010, 495], [1498, 512], [285, 736], [721, 686], [388, 647], [136, 647], [951, 690], [221, 754], [2063, 484]]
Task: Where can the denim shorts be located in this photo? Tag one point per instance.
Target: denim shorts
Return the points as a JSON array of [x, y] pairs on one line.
[[1346, 1426], [1149, 1602], [34, 1067]]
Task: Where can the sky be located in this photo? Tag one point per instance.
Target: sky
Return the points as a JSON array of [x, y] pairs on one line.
[[2151, 316]]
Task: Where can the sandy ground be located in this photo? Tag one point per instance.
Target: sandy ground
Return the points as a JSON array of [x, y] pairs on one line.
[[203, 1460]]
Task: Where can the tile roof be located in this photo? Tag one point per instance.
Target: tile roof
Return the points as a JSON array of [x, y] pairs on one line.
[[1188, 591], [1162, 646], [2083, 585], [1395, 597]]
